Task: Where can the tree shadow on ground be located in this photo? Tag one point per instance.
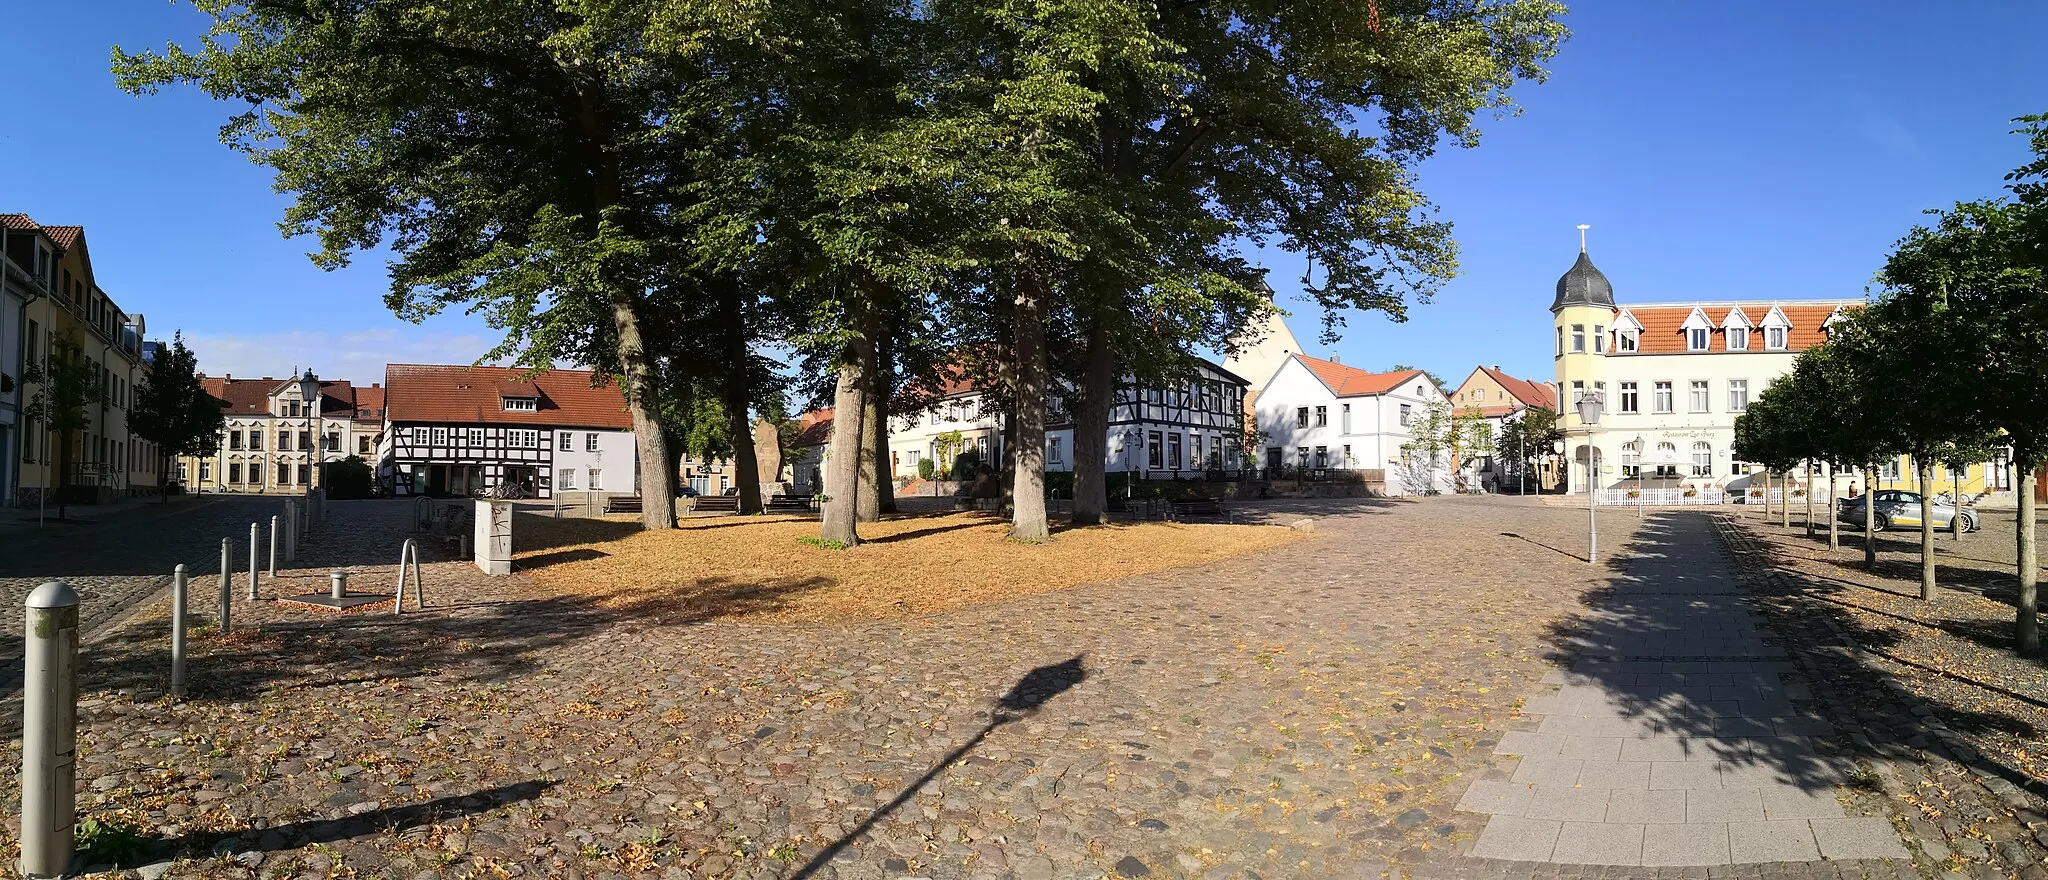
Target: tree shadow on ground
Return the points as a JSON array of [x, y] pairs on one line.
[[1556, 550], [486, 641], [1024, 699], [1844, 637], [1668, 644], [393, 819]]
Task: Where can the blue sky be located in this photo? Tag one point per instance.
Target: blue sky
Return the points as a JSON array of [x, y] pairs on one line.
[[1726, 150]]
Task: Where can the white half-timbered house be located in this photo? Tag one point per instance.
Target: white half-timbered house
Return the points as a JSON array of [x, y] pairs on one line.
[[458, 430], [1168, 431]]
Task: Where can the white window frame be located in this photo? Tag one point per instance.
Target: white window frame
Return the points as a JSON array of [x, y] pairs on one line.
[[1632, 457], [1699, 397], [1738, 395], [1702, 448], [1738, 338], [590, 442], [1578, 338], [1662, 398], [1625, 340], [565, 479], [1776, 338], [1631, 400], [566, 441], [1698, 338], [521, 404]]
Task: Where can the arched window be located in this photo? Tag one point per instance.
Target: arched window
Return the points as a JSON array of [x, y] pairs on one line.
[[1703, 459], [1667, 459], [1632, 458]]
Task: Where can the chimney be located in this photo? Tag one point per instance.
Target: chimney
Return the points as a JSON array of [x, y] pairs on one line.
[[1496, 368], [227, 377], [1336, 359]]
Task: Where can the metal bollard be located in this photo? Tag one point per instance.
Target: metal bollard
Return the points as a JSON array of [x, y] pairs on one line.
[[409, 551], [273, 548], [49, 731], [291, 532], [337, 583], [252, 561], [226, 618], [178, 631]]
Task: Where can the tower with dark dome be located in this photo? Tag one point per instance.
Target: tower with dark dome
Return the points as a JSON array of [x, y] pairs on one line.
[[1583, 318]]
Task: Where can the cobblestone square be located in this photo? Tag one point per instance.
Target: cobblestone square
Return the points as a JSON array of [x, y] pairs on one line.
[[1316, 710]]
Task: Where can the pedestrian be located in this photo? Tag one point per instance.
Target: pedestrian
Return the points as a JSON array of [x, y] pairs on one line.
[[1852, 488]]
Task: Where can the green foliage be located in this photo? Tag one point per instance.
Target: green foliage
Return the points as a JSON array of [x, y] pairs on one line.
[[964, 465], [348, 478], [66, 387], [820, 543], [926, 468], [172, 409], [110, 843]]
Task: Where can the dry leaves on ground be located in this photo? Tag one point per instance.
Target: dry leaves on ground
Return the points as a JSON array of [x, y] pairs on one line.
[[755, 567]]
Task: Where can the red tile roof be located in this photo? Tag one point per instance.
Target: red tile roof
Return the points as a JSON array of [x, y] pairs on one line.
[[1351, 381], [449, 393], [1530, 393], [18, 221], [817, 427], [369, 402], [1662, 323], [251, 397], [66, 237]]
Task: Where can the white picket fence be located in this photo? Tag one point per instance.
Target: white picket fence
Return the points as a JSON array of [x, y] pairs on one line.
[[1674, 497]]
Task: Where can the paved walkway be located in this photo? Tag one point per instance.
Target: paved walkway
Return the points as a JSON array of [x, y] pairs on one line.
[[1679, 736]]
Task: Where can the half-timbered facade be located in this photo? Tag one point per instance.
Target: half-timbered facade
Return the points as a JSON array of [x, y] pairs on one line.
[[458, 430], [1181, 429]]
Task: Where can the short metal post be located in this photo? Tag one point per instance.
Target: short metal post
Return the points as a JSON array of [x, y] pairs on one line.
[[178, 631], [291, 532], [337, 583], [49, 731], [252, 560], [409, 552], [226, 617], [273, 548]]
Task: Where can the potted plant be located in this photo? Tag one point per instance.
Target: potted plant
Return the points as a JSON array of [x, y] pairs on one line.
[[1692, 492], [1635, 493], [1756, 493]]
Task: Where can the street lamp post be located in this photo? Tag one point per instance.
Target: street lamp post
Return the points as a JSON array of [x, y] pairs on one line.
[[1590, 403], [1639, 476]]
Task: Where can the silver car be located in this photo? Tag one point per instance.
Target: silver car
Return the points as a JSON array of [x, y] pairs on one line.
[[1898, 507]]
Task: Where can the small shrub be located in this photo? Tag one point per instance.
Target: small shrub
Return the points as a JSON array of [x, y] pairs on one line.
[[111, 843], [1692, 493], [965, 464], [926, 468], [820, 543]]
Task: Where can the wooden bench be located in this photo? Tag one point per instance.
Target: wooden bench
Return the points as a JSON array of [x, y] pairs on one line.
[[789, 504], [1185, 507], [622, 504], [716, 504]]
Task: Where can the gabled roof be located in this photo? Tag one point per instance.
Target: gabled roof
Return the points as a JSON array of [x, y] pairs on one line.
[[66, 237], [370, 402], [1528, 392], [1663, 323], [1346, 381], [251, 397], [1736, 318], [453, 393]]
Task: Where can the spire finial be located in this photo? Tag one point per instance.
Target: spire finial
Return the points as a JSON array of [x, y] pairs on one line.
[[1582, 236]]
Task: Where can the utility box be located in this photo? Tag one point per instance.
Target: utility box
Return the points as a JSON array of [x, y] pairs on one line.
[[493, 544]]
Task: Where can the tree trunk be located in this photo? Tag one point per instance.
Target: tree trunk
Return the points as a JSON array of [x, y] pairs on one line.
[[843, 450], [1925, 470], [1955, 488], [882, 386], [1091, 430], [2026, 627], [1809, 500], [1869, 520], [657, 481], [874, 441], [1767, 497], [1785, 500], [1027, 523], [1834, 521], [737, 400]]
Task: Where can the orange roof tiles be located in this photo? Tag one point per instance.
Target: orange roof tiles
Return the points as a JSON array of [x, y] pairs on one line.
[[66, 237], [817, 427], [1530, 393], [450, 393], [1351, 381], [1662, 333], [369, 402]]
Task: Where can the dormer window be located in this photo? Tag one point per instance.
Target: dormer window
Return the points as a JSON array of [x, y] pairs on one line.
[[1696, 339], [1625, 340], [1738, 339], [1774, 338], [521, 404], [1698, 330], [1777, 330]]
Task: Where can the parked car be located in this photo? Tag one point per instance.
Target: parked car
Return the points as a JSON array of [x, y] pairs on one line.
[[1897, 507]]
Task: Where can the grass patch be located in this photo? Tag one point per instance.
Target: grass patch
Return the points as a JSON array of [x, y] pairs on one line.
[[768, 568], [820, 543]]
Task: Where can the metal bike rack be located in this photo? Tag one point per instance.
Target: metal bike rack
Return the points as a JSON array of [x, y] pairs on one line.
[[410, 552]]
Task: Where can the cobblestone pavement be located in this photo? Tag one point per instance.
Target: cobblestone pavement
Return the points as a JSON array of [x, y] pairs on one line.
[[119, 559], [1317, 710]]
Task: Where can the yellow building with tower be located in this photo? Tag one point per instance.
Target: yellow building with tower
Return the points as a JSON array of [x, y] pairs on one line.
[[1674, 376]]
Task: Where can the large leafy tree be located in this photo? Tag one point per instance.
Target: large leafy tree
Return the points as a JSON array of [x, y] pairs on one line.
[[545, 164], [173, 410], [1296, 124]]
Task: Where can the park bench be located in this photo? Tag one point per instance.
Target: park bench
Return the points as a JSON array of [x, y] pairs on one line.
[[716, 504], [1181, 508], [789, 503], [622, 504]]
